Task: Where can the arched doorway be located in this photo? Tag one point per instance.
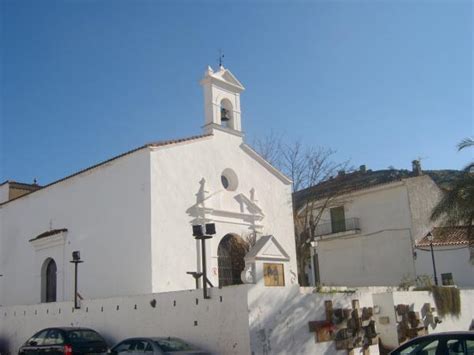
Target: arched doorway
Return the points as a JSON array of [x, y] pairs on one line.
[[48, 281], [231, 252]]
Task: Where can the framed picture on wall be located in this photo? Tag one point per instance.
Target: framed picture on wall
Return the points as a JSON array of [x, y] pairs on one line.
[[273, 274]]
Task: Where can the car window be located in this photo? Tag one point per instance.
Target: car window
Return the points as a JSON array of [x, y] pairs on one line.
[[456, 346], [426, 347], [171, 345], [54, 337], [141, 346], [38, 338], [469, 347], [123, 347], [80, 336]]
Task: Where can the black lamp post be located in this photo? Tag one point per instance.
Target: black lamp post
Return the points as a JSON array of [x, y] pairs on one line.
[[202, 235], [430, 238], [76, 259]]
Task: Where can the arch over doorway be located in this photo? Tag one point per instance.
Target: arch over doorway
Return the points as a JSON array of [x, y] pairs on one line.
[[48, 281], [231, 252]]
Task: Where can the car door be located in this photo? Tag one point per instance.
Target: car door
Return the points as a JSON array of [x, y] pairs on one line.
[[34, 345]]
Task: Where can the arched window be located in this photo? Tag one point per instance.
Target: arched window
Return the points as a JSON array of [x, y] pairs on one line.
[[231, 252], [227, 114], [48, 281]]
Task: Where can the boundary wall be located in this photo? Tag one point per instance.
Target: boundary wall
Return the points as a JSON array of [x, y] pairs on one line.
[[218, 325], [243, 319]]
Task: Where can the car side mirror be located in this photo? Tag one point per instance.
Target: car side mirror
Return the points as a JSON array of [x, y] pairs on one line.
[[33, 343]]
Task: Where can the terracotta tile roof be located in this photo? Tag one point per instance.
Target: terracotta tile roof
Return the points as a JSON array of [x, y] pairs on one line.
[[148, 145], [446, 236], [359, 180], [49, 233]]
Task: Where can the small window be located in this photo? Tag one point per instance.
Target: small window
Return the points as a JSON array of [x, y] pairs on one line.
[[338, 219], [225, 182], [447, 279], [229, 180]]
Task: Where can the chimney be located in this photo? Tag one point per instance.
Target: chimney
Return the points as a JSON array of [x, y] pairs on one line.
[[363, 169], [416, 168]]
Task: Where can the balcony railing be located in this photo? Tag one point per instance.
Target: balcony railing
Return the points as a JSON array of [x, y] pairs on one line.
[[345, 225]]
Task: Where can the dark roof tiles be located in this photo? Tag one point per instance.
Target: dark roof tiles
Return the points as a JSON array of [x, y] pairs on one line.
[[446, 236]]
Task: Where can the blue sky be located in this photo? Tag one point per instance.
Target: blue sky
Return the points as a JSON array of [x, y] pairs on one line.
[[381, 82]]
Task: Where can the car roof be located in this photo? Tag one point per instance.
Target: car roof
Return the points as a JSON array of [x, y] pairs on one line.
[[67, 328]]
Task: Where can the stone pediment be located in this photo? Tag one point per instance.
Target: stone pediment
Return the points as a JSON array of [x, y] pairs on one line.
[[267, 248], [226, 76]]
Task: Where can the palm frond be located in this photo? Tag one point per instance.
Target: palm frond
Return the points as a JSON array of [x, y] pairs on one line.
[[466, 142]]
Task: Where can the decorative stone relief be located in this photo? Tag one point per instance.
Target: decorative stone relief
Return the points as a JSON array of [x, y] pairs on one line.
[[411, 324], [349, 328]]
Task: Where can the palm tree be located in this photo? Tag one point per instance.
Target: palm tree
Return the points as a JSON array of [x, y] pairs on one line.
[[456, 207]]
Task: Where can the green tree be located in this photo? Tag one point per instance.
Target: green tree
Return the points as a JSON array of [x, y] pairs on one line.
[[456, 207]]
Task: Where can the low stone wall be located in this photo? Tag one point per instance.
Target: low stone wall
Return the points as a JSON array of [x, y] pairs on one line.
[[218, 325]]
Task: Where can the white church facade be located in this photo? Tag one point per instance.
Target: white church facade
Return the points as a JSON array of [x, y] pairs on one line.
[[131, 217]]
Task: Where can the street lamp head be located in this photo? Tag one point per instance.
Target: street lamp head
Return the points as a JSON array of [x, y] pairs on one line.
[[76, 255], [430, 236], [210, 228], [197, 230]]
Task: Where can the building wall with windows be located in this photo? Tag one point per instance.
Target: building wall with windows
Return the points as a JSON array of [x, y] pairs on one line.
[[373, 243]]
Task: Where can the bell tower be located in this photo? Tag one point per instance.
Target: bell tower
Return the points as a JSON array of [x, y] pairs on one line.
[[221, 100]]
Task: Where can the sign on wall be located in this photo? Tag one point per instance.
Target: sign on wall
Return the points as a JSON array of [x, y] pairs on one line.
[[273, 274]]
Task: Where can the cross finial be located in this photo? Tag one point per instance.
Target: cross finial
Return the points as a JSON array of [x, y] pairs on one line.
[[221, 57]]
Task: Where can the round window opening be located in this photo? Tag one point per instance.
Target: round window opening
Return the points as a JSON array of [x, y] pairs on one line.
[[229, 180]]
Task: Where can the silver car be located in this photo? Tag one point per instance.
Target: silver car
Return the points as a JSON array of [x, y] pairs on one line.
[[154, 346], [461, 343]]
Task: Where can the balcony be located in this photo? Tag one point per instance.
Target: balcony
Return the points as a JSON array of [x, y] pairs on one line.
[[343, 227]]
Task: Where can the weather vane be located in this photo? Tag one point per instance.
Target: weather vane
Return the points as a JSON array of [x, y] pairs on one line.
[[221, 57]]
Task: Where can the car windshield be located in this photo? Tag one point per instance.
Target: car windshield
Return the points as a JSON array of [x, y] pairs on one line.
[[170, 345], [83, 336]]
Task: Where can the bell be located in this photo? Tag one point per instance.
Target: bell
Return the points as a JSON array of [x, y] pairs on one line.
[[224, 113]]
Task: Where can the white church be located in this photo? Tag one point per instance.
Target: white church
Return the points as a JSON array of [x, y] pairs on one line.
[[131, 217]]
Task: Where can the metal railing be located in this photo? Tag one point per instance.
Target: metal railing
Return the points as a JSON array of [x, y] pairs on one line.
[[345, 225]]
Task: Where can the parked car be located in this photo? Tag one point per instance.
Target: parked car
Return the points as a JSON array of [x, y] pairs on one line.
[[64, 341], [155, 346], [461, 343]]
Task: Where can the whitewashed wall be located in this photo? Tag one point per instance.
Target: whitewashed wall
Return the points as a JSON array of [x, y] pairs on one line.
[[106, 211], [423, 195], [279, 319], [175, 175], [453, 259], [219, 325]]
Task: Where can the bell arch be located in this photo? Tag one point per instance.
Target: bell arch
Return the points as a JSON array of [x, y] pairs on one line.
[[230, 258], [49, 281], [227, 113]]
